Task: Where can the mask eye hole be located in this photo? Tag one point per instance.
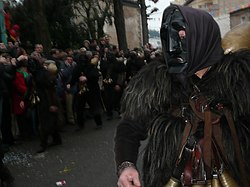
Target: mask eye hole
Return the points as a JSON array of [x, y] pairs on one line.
[[178, 25]]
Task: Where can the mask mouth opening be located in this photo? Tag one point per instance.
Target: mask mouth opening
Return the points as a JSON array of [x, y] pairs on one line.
[[173, 36]]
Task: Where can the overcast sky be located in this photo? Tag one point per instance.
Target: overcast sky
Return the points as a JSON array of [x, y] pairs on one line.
[[155, 22]]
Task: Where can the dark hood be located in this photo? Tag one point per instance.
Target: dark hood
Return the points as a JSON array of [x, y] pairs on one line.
[[202, 37]]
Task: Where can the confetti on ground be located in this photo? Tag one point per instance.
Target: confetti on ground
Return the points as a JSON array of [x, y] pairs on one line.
[[18, 159], [61, 183], [65, 170], [40, 155]]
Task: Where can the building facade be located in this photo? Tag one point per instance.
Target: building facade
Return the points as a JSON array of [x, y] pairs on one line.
[[227, 13], [133, 25]]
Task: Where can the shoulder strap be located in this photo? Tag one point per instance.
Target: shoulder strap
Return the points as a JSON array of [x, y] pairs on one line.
[[207, 146]]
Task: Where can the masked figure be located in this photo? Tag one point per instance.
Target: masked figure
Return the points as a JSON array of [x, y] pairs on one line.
[[193, 108]]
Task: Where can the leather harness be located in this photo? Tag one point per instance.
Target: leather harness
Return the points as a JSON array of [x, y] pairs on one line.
[[208, 151]]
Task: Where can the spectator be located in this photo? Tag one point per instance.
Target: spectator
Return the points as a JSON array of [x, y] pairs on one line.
[[86, 75], [111, 71], [48, 107], [38, 53], [65, 78], [7, 75], [19, 97]]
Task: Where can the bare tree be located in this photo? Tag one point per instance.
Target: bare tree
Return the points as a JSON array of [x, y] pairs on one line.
[[92, 16], [144, 21], [42, 34]]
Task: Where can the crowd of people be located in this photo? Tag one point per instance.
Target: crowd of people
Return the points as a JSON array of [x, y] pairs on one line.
[[190, 101], [41, 92]]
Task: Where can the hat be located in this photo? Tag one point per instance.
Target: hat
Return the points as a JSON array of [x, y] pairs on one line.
[[86, 41], [94, 61], [47, 62], [16, 27], [52, 68], [83, 49]]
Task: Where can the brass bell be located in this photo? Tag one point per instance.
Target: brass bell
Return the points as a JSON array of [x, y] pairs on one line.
[[226, 180], [216, 181], [173, 183]]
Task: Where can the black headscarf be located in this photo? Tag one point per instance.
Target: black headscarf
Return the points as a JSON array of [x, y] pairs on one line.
[[202, 37]]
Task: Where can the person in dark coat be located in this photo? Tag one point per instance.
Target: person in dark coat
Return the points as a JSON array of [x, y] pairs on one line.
[[113, 72], [86, 76], [48, 105], [133, 65], [7, 75], [19, 100]]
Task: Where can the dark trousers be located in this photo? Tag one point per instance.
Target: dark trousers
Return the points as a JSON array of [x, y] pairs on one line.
[[44, 137], [6, 123], [95, 108], [109, 96], [117, 100], [48, 126], [24, 126]]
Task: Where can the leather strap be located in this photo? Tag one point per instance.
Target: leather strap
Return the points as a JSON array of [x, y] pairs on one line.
[[182, 151], [185, 134], [184, 157], [218, 147], [207, 146]]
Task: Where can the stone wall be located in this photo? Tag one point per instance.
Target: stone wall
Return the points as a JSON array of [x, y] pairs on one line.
[[224, 23], [133, 28], [240, 16]]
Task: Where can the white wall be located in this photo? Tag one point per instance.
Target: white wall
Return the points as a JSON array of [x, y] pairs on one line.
[[224, 23]]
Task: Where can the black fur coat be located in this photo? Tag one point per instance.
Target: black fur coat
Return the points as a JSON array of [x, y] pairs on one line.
[[151, 96]]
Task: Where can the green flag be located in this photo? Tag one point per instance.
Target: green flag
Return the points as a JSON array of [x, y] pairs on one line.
[[2, 24]]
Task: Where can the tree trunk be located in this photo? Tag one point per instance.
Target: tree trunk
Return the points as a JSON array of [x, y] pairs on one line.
[[100, 24], [40, 22], [120, 25], [144, 22]]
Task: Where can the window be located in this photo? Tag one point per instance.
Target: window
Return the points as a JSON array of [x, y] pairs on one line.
[[242, 19]]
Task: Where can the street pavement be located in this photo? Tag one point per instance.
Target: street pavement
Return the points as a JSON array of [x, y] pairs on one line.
[[85, 159]]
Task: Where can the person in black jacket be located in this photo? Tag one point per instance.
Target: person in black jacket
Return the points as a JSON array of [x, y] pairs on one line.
[[134, 64], [48, 103], [86, 76], [113, 72], [7, 74]]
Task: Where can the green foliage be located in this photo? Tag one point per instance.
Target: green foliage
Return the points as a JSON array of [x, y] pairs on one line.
[[64, 32], [69, 22]]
